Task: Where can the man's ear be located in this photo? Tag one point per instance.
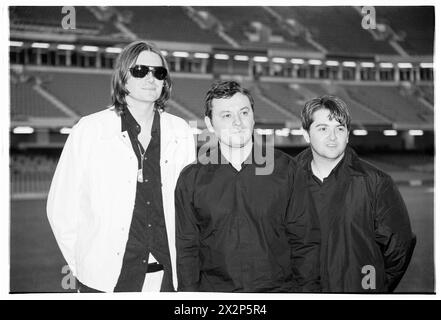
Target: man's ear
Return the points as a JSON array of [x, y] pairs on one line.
[[306, 135], [208, 124]]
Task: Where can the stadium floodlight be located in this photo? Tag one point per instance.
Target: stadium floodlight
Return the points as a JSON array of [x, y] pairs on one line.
[[260, 59], [283, 132], [297, 132], [113, 50], [23, 130], [332, 63], [359, 132], [390, 133], [297, 61], [201, 55], [367, 64], [278, 60], [416, 132], [264, 132], [89, 48], [239, 57], [386, 65], [40, 45], [314, 62], [426, 65], [68, 47], [404, 65], [221, 56], [181, 54], [15, 43], [65, 130], [349, 64]]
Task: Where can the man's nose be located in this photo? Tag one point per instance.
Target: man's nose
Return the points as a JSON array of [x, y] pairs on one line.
[[149, 76], [237, 121], [332, 135]]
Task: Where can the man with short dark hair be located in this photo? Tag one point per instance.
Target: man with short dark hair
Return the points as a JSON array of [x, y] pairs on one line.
[[366, 237], [239, 229]]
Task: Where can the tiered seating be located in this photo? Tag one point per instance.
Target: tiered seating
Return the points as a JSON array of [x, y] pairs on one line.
[[417, 23], [389, 101], [427, 91], [190, 93], [264, 112], [237, 22], [293, 98], [338, 29], [26, 102], [359, 112], [168, 24], [31, 174], [51, 17], [290, 99], [84, 93]]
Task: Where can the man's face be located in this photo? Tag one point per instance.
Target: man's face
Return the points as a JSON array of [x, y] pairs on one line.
[[147, 89], [232, 120], [328, 138]]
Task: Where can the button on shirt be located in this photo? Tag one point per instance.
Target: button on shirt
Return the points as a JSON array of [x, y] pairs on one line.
[[238, 231], [147, 233]]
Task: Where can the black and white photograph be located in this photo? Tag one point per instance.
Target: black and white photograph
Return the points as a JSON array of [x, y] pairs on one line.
[[221, 149]]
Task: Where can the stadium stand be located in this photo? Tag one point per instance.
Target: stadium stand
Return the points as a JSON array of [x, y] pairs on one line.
[[428, 93], [338, 29], [393, 102], [50, 17], [190, 93], [238, 24], [26, 102], [293, 96], [31, 174], [414, 25], [83, 91], [167, 24]]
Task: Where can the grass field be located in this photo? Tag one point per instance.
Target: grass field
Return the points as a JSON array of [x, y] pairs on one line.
[[36, 262]]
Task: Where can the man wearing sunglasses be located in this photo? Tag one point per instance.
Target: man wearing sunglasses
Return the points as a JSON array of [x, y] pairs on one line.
[[111, 202]]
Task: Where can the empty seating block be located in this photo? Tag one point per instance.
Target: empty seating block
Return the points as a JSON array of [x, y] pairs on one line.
[[415, 24], [84, 93], [393, 102], [26, 102], [337, 28], [167, 24]]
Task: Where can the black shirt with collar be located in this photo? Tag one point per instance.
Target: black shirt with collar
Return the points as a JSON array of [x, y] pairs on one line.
[[238, 231], [323, 195], [147, 233]]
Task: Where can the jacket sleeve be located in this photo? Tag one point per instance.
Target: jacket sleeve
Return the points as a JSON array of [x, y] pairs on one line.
[[63, 203], [393, 231], [304, 238], [187, 236]]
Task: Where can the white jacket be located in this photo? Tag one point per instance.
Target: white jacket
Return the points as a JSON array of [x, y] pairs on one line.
[[92, 195]]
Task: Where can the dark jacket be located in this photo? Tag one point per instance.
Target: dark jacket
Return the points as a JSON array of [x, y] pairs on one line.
[[370, 242], [245, 231]]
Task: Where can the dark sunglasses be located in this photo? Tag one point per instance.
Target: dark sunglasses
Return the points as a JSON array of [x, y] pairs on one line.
[[140, 71]]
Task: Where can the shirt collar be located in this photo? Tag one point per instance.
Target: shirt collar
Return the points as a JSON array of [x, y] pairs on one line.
[[129, 123]]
